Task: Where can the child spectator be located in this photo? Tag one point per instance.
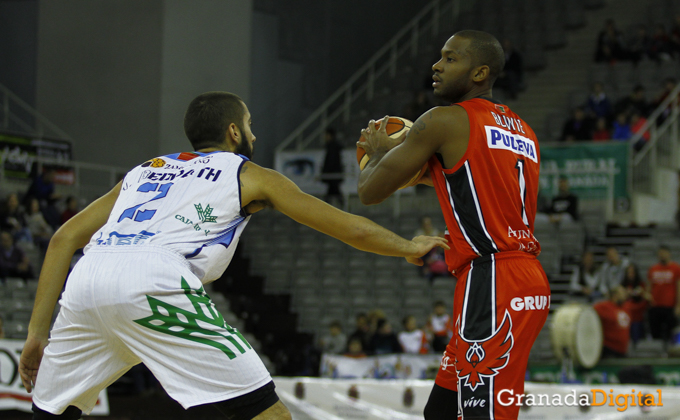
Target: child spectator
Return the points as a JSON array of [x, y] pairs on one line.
[[636, 302], [615, 323], [13, 261], [585, 278], [71, 209], [335, 341], [663, 282], [355, 349], [601, 132], [441, 327], [413, 340], [384, 341], [621, 128]]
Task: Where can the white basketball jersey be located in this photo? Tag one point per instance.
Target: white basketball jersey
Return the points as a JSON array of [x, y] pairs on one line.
[[189, 203]]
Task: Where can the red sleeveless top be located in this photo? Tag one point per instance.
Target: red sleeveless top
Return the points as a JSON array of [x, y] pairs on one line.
[[489, 197]]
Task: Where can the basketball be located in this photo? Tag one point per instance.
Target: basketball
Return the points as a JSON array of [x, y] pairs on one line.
[[395, 128]]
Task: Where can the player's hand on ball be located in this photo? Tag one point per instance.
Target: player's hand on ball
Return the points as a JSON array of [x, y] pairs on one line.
[[376, 140], [30, 361], [424, 244]]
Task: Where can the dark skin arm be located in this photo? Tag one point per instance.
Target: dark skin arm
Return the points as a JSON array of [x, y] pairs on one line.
[[267, 188], [443, 130]]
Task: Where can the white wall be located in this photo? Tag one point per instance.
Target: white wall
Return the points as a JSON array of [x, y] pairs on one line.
[[662, 207]]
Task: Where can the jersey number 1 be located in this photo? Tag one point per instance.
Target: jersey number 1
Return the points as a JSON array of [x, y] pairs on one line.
[[141, 215], [522, 189]]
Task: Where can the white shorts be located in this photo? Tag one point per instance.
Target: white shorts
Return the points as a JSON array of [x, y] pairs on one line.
[[132, 304]]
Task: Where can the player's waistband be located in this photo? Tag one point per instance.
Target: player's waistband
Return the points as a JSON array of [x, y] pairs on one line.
[[136, 249], [498, 256]]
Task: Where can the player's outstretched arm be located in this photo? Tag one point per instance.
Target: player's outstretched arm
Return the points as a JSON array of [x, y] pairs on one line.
[[389, 168], [262, 187], [73, 235]]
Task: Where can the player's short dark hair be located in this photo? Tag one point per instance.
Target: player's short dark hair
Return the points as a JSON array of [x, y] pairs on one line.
[[208, 117], [485, 49]]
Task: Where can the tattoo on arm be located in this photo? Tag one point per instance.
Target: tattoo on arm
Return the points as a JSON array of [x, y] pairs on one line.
[[243, 170], [420, 125]]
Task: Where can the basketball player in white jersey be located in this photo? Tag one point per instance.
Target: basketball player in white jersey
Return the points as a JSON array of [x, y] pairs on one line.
[[136, 296]]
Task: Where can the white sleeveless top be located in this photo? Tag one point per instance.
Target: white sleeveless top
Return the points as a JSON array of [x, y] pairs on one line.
[[189, 203]]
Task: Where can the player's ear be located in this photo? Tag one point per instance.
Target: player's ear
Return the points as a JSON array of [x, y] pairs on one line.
[[481, 73], [233, 136]]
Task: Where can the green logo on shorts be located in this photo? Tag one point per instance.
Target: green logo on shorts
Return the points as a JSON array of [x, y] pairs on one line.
[[181, 323]]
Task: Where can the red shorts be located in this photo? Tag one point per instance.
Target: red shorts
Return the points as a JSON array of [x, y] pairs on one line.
[[500, 305]]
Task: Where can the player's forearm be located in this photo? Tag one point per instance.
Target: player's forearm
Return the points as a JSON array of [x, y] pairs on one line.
[[365, 235], [371, 191], [51, 282]]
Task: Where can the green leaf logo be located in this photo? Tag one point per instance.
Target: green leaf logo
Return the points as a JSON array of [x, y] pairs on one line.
[[205, 215]]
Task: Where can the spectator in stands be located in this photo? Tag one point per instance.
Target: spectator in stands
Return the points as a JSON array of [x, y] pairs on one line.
[[639, 44], [663, 281], [612, 271], [660, 48], [577, 127], [598, 103], [355, 349], [615, 323], [637, 299], [564, 206], [41, 231], [601, 132], [384, 341], [13, 261], [621, 128], [13, 219], [441, 327], [413, 340], [610, 45], [585, 278], [512, 75], [637, 121], [42, 187], [332, 169], [335, 342], [418, 106], [668, 87], [362, 331], [70, 210], [374, 316], [635, 102]]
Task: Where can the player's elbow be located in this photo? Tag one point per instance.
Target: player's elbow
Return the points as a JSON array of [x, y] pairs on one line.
[[368, 197]]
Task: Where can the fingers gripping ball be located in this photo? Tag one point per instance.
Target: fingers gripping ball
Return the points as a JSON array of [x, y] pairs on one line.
[[395, 128]]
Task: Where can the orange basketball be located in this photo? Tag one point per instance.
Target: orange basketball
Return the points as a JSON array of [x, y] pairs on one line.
[[395, 128]]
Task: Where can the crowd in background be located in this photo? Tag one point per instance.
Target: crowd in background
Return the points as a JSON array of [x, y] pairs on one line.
[[631, 307], [660, 43], [375, 335], [28, 221]]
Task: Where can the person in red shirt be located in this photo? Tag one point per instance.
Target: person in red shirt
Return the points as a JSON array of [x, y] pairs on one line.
[[636, 302], [483, 161], [615, 323], [663, 283]]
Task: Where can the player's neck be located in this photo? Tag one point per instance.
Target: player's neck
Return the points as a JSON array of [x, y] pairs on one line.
[[484, 92]]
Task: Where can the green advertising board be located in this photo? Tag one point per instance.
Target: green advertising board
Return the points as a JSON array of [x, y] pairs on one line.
[[594, 170]]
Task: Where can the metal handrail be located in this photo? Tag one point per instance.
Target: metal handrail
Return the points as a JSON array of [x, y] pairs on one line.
[[9, 97], [672, 98], [323, 116]]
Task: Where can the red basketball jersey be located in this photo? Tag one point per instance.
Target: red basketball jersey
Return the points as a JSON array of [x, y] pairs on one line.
[[489, 197]]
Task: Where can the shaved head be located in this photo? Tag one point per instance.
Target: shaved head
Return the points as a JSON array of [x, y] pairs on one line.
[[484, 49]]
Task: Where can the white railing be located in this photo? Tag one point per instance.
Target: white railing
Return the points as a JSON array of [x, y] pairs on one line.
[[662, 148], [383, 64], [19, 117]]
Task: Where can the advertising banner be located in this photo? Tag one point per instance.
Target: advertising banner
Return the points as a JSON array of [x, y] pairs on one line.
[[594, 170], [390, 366], [19, 153], [13, 395]]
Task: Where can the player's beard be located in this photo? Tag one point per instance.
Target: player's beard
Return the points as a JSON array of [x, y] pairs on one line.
[[244, 148]]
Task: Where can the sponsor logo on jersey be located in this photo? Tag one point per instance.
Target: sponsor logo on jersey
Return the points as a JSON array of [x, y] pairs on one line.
[[500, 108], [497, 138], [530, 303], [187, 156], [205, 215], [154, 163], [484, 358]]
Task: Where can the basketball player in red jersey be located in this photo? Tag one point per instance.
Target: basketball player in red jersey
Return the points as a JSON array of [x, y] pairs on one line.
[[483, 162]]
